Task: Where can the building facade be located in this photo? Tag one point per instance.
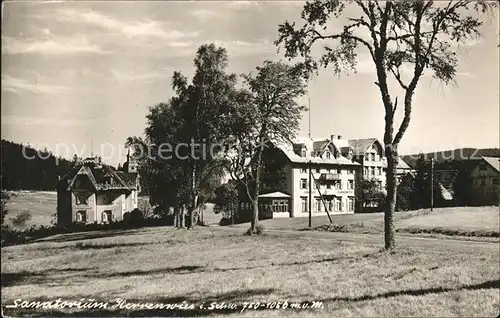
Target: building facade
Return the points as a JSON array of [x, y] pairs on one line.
[[485, 182], [332, 180], [337, 165], [93, 192]]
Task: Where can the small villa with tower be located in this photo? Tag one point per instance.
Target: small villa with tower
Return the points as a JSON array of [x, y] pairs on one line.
[[93, 192]]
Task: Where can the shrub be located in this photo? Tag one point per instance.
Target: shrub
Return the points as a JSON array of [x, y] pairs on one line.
[[136, 217], [260, 229], [225, 221], [21, 219], [126, 217], [5, 198]]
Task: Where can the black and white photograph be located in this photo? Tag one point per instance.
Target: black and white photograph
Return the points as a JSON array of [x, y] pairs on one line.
[[321, 158]]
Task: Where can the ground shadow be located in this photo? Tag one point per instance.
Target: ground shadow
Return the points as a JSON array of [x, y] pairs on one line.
[[417, 292], [30, 278], [91, 246], [169, 270], [188, 269], [27, 278], [70, 237]]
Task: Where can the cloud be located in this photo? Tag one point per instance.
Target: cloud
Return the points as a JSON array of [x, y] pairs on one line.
[[234, 48], [120, 76], [19, 85], [131, 29], [37, 121], [50, 45], [244, 48], [205, 14], [243, 4]]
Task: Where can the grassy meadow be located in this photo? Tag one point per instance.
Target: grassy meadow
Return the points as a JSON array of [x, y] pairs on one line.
[[40, 204], [344, 274], [456, 221], [212, 265]]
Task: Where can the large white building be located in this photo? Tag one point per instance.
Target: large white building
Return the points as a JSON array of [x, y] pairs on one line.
[[337, 165], [332, 181]]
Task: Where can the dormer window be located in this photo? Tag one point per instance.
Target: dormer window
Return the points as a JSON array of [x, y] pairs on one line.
[[328, 154], [303, 152]]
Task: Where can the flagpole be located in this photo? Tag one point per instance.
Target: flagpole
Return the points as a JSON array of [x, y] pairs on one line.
[[310, 171]]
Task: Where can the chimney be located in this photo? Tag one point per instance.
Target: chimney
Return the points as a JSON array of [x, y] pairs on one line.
[[339, 136], [332, 137]]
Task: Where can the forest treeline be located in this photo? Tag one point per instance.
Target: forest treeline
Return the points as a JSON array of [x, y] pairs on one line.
[[21, 173]]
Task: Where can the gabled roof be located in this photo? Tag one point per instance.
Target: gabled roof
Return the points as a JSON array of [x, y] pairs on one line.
[[320, 145], [129, 179], [493, 162], [360, 146], [99, 175], [288, 149], [402, 164], [276, 194], [84, 170]]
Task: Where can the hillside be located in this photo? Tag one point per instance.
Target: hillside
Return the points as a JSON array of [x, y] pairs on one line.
[[24, 169], [453, 155]]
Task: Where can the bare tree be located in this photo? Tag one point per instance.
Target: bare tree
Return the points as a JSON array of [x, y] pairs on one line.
[[421, 34]]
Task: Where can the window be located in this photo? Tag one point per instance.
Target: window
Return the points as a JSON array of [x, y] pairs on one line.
[[82, 198], [303, 152], [372, 171], [283, 206], [482, 167], [494, 180], [303, 183], [107, 216], [350, 204], [350, 184], [350, 171], [365, 171], [377, 157], [328, 186], [339, 170], [81, 217], [330, 205], [483, 181], [379, 183], [318, 205], [303, 203], [318, 170], [280, 206], [338, 205], [329, 170], [327, 154], [379, 171], [338, 185], [303, 170]]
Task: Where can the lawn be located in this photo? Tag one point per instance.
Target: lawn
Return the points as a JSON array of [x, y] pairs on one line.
[[40, 204], [452, 221], [210, 265]]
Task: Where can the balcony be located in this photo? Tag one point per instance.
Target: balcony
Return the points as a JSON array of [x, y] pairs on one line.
[[329, 177]]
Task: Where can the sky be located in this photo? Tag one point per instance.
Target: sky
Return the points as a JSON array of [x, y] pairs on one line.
[[80, 76]]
